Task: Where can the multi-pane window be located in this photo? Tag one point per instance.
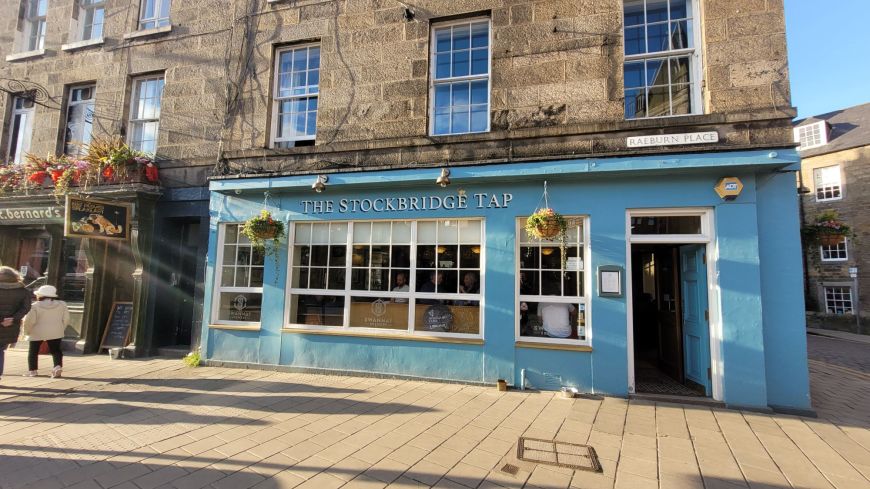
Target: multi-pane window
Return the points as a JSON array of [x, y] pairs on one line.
[[20, 128], [838, 300], [460, 78], [154, 13], [660, 56], [239, 278], [837, 252], [35, 24], [552, 294], [829, 185], [811, 135], [91, 17], [411, 276], [145, 113], [79, 120], [296, 93]]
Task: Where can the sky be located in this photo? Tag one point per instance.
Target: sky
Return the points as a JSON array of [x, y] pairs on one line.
[[829, 61]]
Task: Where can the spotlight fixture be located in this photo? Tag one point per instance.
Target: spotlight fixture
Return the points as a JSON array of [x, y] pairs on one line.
[[319, 185], [443, 179]]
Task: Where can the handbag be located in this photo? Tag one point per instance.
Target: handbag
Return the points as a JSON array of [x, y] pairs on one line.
[[43, 348]]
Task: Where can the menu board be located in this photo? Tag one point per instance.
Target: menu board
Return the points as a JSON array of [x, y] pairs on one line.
[[90, 218], [117, 333]]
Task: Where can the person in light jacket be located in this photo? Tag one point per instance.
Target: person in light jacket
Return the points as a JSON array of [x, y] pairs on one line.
[[46, 321], [14, 304]]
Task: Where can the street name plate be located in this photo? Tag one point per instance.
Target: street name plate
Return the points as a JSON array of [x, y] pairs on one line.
[[672, 139]]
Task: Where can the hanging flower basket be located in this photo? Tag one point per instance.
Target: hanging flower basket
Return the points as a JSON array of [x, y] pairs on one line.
[[828, 230], [546, 224], [263, 228]]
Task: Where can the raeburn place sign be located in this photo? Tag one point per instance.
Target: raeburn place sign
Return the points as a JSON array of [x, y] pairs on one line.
[[673, 139]]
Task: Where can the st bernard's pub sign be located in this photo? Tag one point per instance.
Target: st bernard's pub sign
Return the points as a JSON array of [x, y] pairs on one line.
[[97, 219]]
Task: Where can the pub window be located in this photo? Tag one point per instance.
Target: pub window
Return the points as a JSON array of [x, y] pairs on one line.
[[145, 113], [838, 300], [296, 96], [79, 120], [239, 279], [829, 185], [20, 128], [411, 277], [460, 78], [553, 304], [660, 69]]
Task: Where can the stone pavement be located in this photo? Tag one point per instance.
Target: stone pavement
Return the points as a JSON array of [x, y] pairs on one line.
[[144, 424]]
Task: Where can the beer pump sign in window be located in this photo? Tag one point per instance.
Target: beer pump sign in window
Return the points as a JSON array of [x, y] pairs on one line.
[[89, 218]]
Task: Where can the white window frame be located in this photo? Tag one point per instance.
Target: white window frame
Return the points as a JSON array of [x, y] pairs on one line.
[[586, 299], [843, 287], [218, 288], [25, 132], [411, 296], [157, 19], [694, 53], [69, 108], [133, 119], [34, 26], [274, 140], [811, 136], [707, 236], [470, 78], [835, 249], [833, 187], [86, 7]]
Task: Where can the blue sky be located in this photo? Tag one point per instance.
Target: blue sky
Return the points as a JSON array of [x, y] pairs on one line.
[[827, 50]]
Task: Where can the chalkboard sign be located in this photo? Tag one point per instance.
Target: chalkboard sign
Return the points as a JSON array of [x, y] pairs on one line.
[[117, 333], [438, 318]]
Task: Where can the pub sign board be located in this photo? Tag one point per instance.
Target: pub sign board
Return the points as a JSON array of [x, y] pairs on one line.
[[97, 219]]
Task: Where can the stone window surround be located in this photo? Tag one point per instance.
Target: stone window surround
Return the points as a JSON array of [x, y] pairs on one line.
[[696, 61], [131, 120], [273, 114]]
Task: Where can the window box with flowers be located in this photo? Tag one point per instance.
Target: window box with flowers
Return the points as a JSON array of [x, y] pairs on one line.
[[828, 230]]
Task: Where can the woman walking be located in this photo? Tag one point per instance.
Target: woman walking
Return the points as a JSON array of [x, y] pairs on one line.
[[46, 321], [14, 305]]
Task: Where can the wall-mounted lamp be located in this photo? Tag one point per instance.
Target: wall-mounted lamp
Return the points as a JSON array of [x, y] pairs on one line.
[[319, 185], [803, 190], [238, 191], [443, 179]]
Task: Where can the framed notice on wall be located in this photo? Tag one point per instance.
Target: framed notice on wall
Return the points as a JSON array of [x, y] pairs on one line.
[[97, 219]]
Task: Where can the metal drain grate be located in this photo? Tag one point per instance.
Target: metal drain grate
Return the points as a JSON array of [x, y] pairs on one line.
[[558, 453]]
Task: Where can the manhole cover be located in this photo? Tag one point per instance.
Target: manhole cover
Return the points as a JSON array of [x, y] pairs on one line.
[[559, 453]]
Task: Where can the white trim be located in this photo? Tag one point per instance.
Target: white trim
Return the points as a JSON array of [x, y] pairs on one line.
[[132, 115], [817, 171], [276, 87], [586, 299], [715, 323], [432, 82], [845, 244], [25, 130], [217, 289], [821, 127]]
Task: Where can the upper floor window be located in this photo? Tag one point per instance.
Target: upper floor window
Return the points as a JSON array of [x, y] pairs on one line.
[[811, 135], [460, 78], [34, 18], [154, 13], [145, 113], [660, 59], [837, 252], [91, 16], [829, 184], [295, 98], [20, 128], [79, 120]]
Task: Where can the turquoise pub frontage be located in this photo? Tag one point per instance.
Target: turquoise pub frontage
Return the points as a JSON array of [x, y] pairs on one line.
[[663, 281]]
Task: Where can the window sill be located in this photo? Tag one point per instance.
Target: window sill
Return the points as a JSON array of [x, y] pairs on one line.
[[231, 327], [148, 32], [82, 44], [430, 339], [552, 346], [25, 55]]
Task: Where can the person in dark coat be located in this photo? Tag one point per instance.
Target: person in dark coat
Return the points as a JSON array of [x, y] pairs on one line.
[[15, 303]]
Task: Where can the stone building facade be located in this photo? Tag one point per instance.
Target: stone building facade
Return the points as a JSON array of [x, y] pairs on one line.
[[834, 171], [565, 86]]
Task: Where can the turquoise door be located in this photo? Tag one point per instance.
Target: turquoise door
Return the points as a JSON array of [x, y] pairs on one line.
[[696, 328]]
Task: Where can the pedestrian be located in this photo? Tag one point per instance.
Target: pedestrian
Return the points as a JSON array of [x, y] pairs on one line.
[[14, 305], [46, 321]]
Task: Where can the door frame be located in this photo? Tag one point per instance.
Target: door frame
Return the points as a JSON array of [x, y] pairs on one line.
[[707, 238]]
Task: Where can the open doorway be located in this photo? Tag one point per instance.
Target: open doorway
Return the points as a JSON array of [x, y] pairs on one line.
[[670, 319]]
